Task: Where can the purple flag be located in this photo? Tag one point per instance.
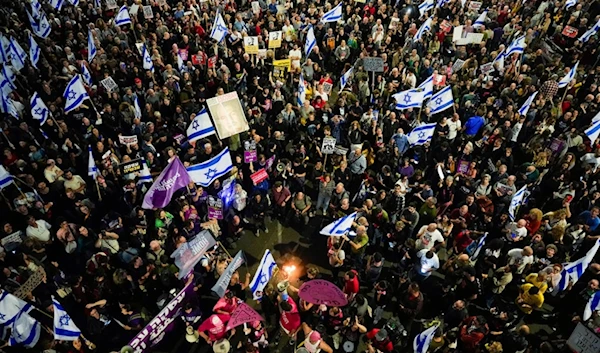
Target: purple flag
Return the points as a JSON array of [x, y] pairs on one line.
[[173, 178]]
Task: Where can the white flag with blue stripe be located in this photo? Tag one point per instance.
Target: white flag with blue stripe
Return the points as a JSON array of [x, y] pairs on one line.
[[85, 73], [10, 306], [92, 169], [301, 90], [421, 134], [427, 87], [147, 59], [564, 82], [180, 63], [525, 108], [136, 107], [411, 98], [593, 131], [4, 49], [74, 2], [572, 271], [423, 340], [39, 110], [145, 176], [91, 47], [57, 4], [5, 180], [311, 41], [480, 21], [7, 79], [64, 327], [516, 201], [263, 275], [334, 14], [339, 227], [19, 56], [592, 305], [480, 244], [219, 28], [34, 51], [205, 173], [517, 46], [25, 331], [499, 61], [345, 78], [41, 27], [122, 17], [570, 3], [441, 100], [74, 94], [590, 32], [36, 8], [426, 6], [200, 127], [425, 27], [7, 106]]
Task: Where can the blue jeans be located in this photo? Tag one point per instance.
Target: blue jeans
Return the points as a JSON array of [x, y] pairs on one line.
[[323, 202]]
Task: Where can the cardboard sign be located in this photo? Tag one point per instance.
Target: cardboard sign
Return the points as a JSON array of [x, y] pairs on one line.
[[251, 45], [570, 32], [439, 80], [133, 9], [259, 176], [228, 115], [32, 282], [109, 84], [487, 68], [11, 241], [474, 5], [319, 291], [188, 254], [133, 166], [393, 22], [582, 340], [457, 33], [215, 207], [373, 64], [275, 39], [458, 64], [446, 26], [328, 146], [241, 315], [280, 67], [262, 54], [148, 14], [128, 140], [256, 7], [327, 87], [111, 4], [474, 38], [340, 150], [212, 62]]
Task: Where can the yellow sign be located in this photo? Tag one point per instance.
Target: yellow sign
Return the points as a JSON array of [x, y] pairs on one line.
[[275, 39], [251, 45], [280, 67]]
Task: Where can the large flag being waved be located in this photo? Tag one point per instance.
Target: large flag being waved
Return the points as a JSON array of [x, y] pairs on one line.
[[441, 100], [572, 271], [421, 134], [592, 305], [570, 3], [200, 127], [11, 306], [145, 176], [36, 7], [92, 169], [74, 94], [263, 275], [64, 327], [516, 201], [19, 56], [4, 49], [122, 17], [5, 180], [57, 4], [223, 282], [564, 82], [136, 107], [147, 59], [590, 32], [425, 27], [480, 21], [7, 106], [74, 2], [41, 27], [525, 108], [205, 173], [172, 178], [344, 79], [311, 41], [426, 6], [25, 331], [411, 98], [334, 14], [339, 227], [499, 60], [427, 87], [593, 131], [34, 51], [219, 28], [517, 46], [480, 244], [85, 73], [301, 90], [91, 46], [423, 340], [39, 110]]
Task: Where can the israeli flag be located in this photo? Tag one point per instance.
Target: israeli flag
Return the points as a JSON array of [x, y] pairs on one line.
[[8, 77], [311, 41], [334, 14], [87, 77], [39, 110], [517, 46], [97, 3], [301, 91], [123, 17], [148, 64], [74, 94], [422, 134], [499, 61], [570, 3], [40, 27], [564, 82], [572, 271], [145, 176], [200, 127], [480, 21], [427, 87], [219, 28], [590, 32], [411, 98], [525, 108], [425, 27], [34, 51], [423, 340], [516, 201], [441, 100], [7, 106], [263, 275], [74, 2], [592, 305], [57, 4], [19, 56], [64, 327], [593, 131], [136, 107], [44, 134], [480, 244], [5, 180], [91, 47], [36, 7], [345, 78], [339, 227], [426, 6], [205, 173], [4, 49], [25, 331], [180, 64], [441, 3], [92, 169]]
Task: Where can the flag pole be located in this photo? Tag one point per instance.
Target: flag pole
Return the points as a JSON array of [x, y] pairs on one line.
[[563, 98], [98, 188], [222, 247], [6, 200]]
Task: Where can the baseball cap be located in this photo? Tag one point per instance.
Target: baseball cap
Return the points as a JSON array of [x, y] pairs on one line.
[[381, 335], [137, 80], [315, 336]]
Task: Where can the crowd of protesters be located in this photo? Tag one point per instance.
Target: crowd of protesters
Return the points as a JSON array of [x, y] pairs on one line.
[[413, 258]]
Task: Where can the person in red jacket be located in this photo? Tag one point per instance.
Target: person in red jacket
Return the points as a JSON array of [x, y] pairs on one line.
[[378, 340], [351, 284], [472, 331]]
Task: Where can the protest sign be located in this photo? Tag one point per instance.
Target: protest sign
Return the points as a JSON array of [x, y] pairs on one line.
[[319, 291], [184, 54], [15, 238], [212, 62], [446, 26], [474, 38], [251, 45], [439, 80], [458, 64], [128, 140], [570, 32], [373, 64], [241, 315], [256, 7], [111, 4], [148, 14], [221, 286], [215, 207], [259, 176], [133, 166], [188, 254], [109, 84], [280, 67], [457, 33], [487, 68], [269, 162], [475, 5], [275, 39], [228, 115], [32, 282], [327, 87], [328, 146], [340, 150], [250, 154], [133, 9]]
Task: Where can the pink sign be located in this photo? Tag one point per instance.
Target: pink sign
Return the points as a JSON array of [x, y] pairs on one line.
[[319, 291], [250, 156], [242, 314]]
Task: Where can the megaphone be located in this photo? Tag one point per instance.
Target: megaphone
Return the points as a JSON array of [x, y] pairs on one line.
[[280, 167], [191, 335], [127, 349]]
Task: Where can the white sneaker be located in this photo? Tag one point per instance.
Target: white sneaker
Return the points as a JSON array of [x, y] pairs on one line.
[[266, 229], [257, 233]]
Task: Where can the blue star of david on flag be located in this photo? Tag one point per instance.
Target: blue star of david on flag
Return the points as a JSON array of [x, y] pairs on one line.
[[64, 320], [210, 173]]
